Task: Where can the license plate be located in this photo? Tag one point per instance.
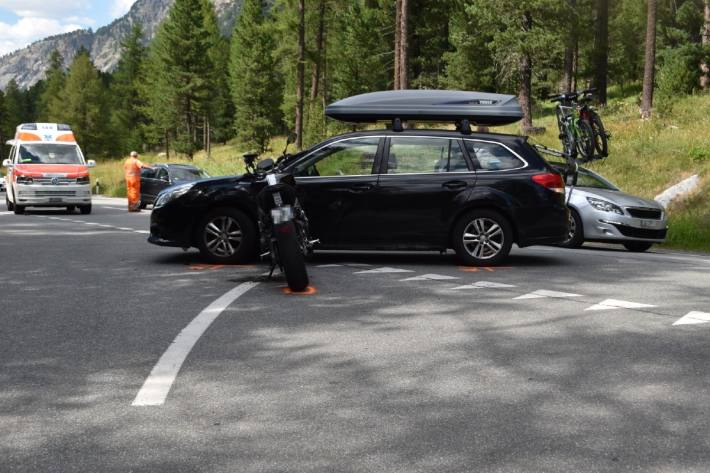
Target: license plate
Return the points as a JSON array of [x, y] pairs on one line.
[[649, 223], [55, 200]]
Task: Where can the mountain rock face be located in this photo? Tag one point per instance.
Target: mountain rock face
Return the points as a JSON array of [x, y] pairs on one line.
[[27, 66]]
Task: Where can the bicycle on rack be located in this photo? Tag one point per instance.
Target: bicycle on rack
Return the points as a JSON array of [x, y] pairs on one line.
[[581, 129]]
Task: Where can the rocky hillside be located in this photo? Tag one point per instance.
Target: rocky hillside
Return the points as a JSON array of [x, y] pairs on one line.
[[28, 65]]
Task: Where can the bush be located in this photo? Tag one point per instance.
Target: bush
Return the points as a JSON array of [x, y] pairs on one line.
[[678, 74]]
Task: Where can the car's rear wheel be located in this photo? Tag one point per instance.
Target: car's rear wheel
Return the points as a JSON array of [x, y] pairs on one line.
[[637, 246], [482, 238], [575, 235], [227, 236]]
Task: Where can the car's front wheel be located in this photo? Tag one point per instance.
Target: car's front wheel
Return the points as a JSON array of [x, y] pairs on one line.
[[226, 235], [10, 206], [637, 246], [482, 238]]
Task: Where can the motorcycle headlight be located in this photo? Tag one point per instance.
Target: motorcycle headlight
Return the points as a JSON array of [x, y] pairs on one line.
[[171, 193], [604, 206]]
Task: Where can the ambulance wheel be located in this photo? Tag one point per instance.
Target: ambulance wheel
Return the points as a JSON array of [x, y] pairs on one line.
[[19, 209], [85, 209], [10, 206]]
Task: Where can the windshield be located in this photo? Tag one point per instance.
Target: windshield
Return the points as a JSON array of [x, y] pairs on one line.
[[587, 178], [49, 153], [188, 174]]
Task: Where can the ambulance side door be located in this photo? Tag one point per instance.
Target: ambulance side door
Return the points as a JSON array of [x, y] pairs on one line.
[[9, 179]]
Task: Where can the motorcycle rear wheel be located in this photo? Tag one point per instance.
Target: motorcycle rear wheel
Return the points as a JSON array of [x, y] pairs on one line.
[[291, 257]]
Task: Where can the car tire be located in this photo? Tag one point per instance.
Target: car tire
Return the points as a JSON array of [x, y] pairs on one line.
[[71, 208], [142, 205], [18, 209], [468, 231], [637, 246], [576, 231], [10, 206], [217, 236], [85, 209]]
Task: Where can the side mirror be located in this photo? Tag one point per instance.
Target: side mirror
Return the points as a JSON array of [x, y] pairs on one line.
[[91, 163], [265, 165], [6, 163]]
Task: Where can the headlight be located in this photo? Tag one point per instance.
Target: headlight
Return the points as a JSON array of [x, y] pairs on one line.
[[171, 193], [83, 180], [604, 206], [24, 180]]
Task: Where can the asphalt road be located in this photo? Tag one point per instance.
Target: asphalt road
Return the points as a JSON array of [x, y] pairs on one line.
[[397, 362]]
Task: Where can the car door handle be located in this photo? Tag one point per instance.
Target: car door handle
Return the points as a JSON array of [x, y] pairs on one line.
[[455, 184], [361, 187]]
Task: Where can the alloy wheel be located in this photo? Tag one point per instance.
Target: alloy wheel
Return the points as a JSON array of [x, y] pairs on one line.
[[572, 228], [483, 238], [223, 235]]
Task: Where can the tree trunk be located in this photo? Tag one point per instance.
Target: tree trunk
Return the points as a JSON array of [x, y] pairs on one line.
[[525, 91], [568, 75], [705, 67], [601, 50], [167, 144], [404, 46], [397, 42], [317, 64], [300, 72], [650, 61]]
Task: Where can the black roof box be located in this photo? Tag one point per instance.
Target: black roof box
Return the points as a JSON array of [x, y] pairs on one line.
[[480, 108]]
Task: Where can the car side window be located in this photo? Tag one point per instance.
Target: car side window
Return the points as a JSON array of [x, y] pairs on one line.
[[492, 156], [410, 154], [354, 157], [147, 173], [162, 174]]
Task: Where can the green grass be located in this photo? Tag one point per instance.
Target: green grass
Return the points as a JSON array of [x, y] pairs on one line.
[[646, 157]]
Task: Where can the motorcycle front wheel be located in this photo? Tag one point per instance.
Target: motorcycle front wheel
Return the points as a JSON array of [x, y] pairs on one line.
[[291, 257]]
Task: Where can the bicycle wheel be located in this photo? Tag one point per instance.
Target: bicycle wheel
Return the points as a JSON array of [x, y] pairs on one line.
[[560, 120], [601, 144], [585, 140]]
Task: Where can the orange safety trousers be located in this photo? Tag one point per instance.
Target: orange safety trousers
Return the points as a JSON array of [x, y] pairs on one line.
[[133, 189]]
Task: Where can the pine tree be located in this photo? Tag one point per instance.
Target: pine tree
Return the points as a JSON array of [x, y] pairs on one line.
[[50, 101], [601, 50], [649, 61], [182, 71], [14, 108], [84, 104], [704, 67], [255, 83], [128, 119]]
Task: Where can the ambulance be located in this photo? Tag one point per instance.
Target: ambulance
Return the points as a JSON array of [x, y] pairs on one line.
[[46, 168]]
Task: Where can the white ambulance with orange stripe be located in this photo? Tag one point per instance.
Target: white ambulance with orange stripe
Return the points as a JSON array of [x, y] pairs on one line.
[[46, 168]]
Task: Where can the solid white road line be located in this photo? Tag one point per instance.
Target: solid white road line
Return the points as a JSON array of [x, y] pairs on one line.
[[545, 293], [384, 270], [693, 317], [161, 378], [430, 277], [485, 284], [610, 304]]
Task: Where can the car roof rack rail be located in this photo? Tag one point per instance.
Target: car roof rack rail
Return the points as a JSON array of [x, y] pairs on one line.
[[462, 108]]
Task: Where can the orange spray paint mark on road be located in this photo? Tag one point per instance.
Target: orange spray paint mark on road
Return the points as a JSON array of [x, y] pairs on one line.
[[309, 291], [476, 269], [202, 267]]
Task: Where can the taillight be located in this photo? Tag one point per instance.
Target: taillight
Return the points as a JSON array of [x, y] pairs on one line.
[[550, 180]]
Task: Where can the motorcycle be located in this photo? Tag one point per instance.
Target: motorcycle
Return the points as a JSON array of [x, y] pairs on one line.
[[283, 225]]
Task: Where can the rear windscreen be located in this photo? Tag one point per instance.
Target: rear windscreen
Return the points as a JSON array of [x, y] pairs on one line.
[[49, 153]]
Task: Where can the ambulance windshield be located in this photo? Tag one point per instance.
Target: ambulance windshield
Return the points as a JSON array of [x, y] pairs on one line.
[[49, 153]]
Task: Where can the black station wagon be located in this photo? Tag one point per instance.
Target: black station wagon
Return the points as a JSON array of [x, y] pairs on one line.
[[477, 193]]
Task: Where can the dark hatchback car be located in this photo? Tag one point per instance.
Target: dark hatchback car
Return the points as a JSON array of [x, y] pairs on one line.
[[412, 189], [162, 176]]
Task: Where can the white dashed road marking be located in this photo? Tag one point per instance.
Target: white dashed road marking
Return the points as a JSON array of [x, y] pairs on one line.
[[610, 304], [157, 386], [542, 293], [485, 284], [384, 270], [692, 318], [94, 224], [430, 277]]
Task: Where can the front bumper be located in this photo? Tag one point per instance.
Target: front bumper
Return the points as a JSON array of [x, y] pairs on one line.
[[606, 226], [52, 196]]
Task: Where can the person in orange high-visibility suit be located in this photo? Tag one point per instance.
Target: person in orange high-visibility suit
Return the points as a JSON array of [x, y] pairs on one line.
[[132, 170]]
